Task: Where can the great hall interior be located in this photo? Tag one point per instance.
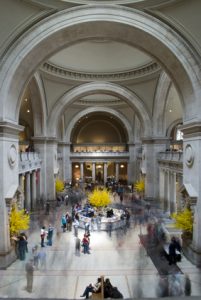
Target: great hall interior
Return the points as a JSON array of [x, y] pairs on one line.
[[93, 91]]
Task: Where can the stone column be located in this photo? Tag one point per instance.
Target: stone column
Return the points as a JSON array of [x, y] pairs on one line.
[[162, 188], [131, 166], [180, 201], [166, 192], [33, 190], [65, 161], [151, 148], [82, 171], [105, 173], [47, 148], [192, 177], [172, 192], [9, 181], [27, 202], [117, 171], [40, 147], [38, 184], [93, 172]]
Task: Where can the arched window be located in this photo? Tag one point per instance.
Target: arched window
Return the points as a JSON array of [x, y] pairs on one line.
[[179, 134]]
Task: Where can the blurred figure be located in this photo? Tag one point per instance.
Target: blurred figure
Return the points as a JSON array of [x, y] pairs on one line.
[[29, 267], [75, 226], [175, 285], [35, 256], [63, 223], [42, 259], [163, 286], [77, 246], [187, 285], [22, 247], [42, 236], [50, 235]]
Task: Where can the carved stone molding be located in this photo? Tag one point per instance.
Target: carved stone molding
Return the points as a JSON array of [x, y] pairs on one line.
[[189, 155], [12, 155], [130, 74]]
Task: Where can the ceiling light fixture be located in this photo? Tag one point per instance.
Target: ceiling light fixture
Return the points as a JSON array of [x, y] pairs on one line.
[[28, 110]]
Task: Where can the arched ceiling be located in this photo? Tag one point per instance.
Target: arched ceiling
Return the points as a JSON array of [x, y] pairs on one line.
[[100, 55], [99, 127]]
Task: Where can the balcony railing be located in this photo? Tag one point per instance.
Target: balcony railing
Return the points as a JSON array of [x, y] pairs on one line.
[[100, 154], [29, 161], [171, 156]]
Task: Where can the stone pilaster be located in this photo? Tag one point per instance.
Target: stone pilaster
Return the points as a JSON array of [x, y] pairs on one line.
[[9, 181], [162, 188], [105, 173], [117, 171], [27, 202], [151, 147], [82, 171], [66, 168], [47, 148], [93, 172], [192, 177], [131, 164], [33, 190]]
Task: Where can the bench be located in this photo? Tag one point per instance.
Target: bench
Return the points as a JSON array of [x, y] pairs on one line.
[[99, 295]]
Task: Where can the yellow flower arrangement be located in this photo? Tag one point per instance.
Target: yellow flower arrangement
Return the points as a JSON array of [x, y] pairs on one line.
[[100, 198], [184, 220], [59, 185], [19, 220], [139, 185]]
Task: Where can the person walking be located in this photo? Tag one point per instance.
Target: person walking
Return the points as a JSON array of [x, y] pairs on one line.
[[42, 236], [77, 246], [63, 223], [42, 259], [29, 267], [50, 235], [22, 247], [35, 256]]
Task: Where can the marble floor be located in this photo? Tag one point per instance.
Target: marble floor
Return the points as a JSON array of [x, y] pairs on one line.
[[120, 257]]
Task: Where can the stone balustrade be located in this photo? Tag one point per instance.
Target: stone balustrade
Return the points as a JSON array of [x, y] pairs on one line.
[[171, 156], [29, 161], [100, 154]]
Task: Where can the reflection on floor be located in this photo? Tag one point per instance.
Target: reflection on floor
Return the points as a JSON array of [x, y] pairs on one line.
[[121, 257]]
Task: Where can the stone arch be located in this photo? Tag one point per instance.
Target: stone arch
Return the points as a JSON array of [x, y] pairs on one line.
[[99, 21], [39, 107], [172, 125], [104, 88], [162, 91], [98, 109]]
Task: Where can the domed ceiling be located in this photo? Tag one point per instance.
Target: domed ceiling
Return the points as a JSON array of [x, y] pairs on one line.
[[97, 56]]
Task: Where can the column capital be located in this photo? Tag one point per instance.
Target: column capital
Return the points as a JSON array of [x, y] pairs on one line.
[[10, 129], [61, 143], [154, 140], [191, 129], [44, 140]]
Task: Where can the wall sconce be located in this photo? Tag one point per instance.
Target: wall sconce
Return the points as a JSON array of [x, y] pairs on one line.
[[76, 166], [121, 166]]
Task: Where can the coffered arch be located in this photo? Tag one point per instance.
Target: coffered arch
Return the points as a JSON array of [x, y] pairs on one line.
[[87, 111], [99, 21], [104, 88]]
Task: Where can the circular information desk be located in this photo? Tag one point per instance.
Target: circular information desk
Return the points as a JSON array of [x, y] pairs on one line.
[[100, 221]]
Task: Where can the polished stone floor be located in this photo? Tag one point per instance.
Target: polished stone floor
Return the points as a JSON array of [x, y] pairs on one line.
[[120, 257]]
